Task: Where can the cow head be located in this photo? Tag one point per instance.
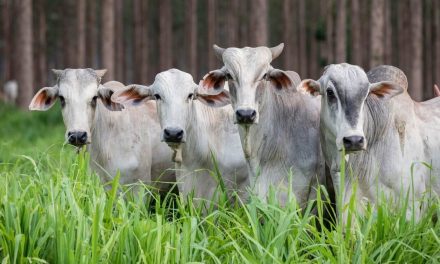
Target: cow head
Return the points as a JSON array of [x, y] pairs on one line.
[[248, 72], [78, 91], [344, 89], [174, 92]]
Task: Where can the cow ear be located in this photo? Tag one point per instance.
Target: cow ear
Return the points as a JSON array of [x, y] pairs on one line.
[[385, 90], [309, 86], [105, 94], [132, 94], [215, 100], [213, 82], [280, 79], [44, 99]]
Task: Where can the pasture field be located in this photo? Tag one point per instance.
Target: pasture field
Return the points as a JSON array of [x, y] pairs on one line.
[[54, 210]]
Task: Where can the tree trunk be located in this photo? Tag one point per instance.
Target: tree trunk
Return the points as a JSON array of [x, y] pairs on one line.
[[427, 50], [244, 23], [119, 41], [7, 49], [356, 31], [258, 23], [302, 35], [165, 35], [232, 20], [81, 33], [69, 33], [108, 38], [24, 66], [140, 49], [366, 33], [92, 36], [212, 32], [313, 11], [404, 38], [340, 31], [289, 35], [416, 77], [388, 35], [191, 34], [330, 33], [377, 32], [40, 69]]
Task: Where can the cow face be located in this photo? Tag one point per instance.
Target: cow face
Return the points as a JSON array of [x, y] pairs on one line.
[[344, 89], [175, 93], [248, 72], [77, 91]]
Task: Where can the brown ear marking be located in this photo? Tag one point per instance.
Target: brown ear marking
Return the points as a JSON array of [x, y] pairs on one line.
[[44, 99], [214, 80], [280, 80]]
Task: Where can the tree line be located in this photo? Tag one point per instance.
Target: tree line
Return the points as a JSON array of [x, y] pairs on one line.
[[135, 39]]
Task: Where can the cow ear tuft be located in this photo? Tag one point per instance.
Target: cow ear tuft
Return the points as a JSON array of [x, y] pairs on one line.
[[44, 99], [132, 94], [280, 79], [385, 89], [213, 82], [215, 100], [310, 87]]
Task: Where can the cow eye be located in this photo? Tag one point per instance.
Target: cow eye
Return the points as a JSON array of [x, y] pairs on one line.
[[190, 96], [330, 94], [264, 77], [157, 97], [62, 101], [229, 76], [93, 102]]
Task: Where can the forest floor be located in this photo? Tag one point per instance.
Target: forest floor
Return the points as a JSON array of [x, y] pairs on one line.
[[54, 210]]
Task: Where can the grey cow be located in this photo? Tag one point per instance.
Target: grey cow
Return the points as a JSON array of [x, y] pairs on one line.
[[279, 128], [194, 130], [117, 140], [364, 111]]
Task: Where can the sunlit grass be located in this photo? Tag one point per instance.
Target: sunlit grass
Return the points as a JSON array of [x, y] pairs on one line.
[[54, 210]]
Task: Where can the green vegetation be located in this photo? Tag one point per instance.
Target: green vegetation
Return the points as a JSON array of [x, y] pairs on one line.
[[54, 210]]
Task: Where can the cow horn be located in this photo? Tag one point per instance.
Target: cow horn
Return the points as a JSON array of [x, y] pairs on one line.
[[388, 73], [218, 51], [57, 72], [276, 51]]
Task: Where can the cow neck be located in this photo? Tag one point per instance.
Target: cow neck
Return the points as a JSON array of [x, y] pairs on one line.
[[198, 129]]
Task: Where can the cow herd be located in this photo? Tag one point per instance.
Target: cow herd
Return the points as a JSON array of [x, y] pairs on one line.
[[259, 127]]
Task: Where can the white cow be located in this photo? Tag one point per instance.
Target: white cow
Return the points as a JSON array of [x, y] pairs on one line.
[[357, 113], [197, 130], [125, 140], [279, 127]]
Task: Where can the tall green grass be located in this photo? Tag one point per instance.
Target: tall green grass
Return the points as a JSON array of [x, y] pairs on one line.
[[54, 210]]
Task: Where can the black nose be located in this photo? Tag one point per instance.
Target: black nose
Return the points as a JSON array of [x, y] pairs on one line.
[[245, 116], [353, 143], [77, 138], [173, 134]]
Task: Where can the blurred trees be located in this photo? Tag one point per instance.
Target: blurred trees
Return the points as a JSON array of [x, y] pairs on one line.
[[134, 39]]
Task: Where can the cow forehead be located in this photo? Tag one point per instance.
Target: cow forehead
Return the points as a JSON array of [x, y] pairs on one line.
[[78, 81], [247, 59], [348, 80], [174, 83]]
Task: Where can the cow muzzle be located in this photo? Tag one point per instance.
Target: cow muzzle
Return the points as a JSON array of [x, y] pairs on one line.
[[354, 143], [246, 116], [77, 138], [173, 135]]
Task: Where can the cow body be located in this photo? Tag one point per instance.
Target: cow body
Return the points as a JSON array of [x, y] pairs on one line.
[[195, 131], [279, 127], [399, 134], [122, 141]]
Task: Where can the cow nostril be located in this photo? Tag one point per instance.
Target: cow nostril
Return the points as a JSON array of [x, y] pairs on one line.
[[173, 134], [246, 115], [353, 142]]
